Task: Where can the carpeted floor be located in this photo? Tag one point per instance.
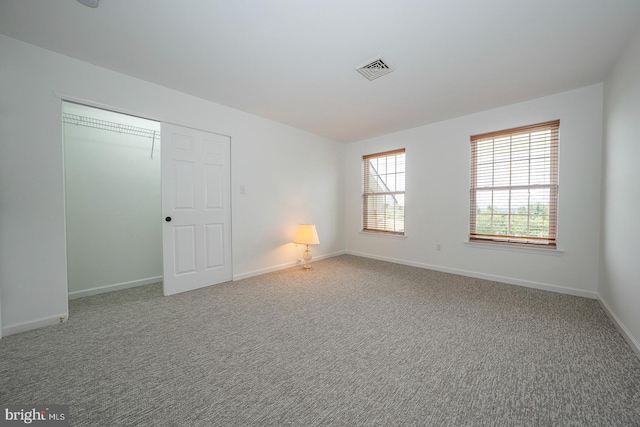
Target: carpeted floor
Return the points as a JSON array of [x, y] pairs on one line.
[[353, 342]]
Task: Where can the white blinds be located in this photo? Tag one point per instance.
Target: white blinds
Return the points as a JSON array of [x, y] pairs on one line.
[[514, 185], [383, 192]]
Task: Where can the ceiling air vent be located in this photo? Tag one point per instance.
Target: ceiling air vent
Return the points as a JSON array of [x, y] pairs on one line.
[[375, 68]]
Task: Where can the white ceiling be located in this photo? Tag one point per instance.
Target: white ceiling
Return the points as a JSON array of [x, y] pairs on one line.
[[293, 61]]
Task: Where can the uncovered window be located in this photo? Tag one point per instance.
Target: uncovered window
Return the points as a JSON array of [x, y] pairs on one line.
[[383, 192], [514, 185]]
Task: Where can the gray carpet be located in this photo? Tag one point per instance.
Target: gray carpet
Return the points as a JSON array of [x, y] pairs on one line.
[[353, 342]]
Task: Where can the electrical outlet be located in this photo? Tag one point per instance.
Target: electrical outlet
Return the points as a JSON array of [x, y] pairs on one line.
[[438, 247]]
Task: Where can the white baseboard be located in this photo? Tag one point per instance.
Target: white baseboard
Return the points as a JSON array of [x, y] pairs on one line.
[[34, 324], [624, 331], [477, 275], [114, 287], [253, 273]]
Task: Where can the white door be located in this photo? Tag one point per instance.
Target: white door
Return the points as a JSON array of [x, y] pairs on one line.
[[196, 208]]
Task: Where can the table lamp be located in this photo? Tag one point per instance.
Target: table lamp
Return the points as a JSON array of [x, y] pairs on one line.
[[306, 235]]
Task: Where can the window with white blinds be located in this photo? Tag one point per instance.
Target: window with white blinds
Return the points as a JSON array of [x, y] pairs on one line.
[[514, 185], [383, 192]]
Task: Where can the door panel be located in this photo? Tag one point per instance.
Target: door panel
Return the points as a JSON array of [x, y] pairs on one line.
[[215, 250], [183, 179], [184, 244], [196, 197], [214, 191]]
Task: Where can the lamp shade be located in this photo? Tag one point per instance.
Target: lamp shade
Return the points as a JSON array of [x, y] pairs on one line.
[[306, 234]]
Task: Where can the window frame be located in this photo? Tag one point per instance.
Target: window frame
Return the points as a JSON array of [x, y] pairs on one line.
[[367, 217], [549, 183]]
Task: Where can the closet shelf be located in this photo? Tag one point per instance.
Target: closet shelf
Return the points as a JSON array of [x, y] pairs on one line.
[[110, 126]]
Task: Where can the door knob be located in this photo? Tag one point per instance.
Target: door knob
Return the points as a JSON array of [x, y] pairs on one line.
[[168, 219]]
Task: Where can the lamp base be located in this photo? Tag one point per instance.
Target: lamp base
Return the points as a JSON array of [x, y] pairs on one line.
[[306, 256]]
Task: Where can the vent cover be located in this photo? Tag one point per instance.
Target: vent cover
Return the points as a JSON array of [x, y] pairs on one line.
[[375, 68]]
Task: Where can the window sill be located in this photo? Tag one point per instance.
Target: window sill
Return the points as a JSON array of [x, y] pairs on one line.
[[514, 247], [384, 235]]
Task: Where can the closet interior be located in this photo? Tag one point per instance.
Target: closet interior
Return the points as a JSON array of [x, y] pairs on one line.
[[112, 200]]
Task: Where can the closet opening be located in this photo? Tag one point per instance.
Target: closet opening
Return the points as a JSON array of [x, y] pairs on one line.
[[112, 200]]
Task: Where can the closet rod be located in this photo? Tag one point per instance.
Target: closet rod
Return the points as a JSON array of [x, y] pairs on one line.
[[111, 126]]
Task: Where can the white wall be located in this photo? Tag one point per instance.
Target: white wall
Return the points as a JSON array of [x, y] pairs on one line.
[[290, 176], [619, 286], [437, 196], [112, 194]]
